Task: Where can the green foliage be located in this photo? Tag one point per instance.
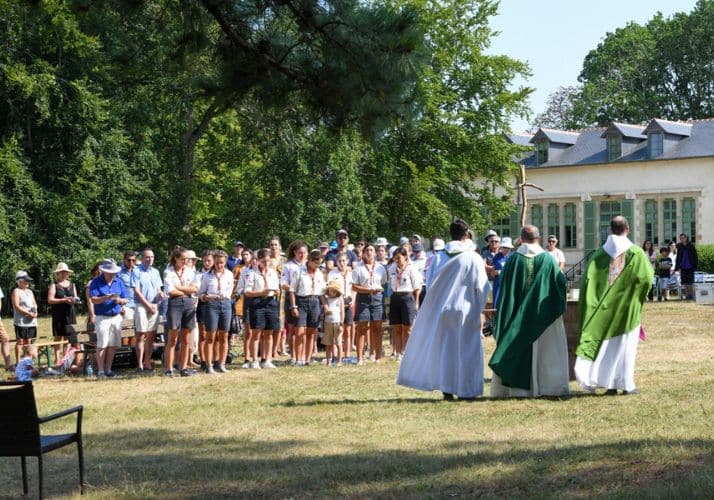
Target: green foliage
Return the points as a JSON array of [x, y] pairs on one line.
[[661, 69], [705, 253], [169, 122]]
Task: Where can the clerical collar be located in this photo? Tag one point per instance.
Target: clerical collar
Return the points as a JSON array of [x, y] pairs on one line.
[[616, 245]]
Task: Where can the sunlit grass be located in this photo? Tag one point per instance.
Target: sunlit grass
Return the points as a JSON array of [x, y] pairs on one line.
[[319, 431]]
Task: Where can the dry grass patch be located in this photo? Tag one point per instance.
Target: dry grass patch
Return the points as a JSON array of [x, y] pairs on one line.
[[317, 431]]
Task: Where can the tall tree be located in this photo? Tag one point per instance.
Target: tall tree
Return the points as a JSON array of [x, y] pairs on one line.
[[663, 69]]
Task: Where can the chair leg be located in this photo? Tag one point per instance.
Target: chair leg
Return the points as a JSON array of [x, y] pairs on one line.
[[24, 474], [39, 470], [80, 454]]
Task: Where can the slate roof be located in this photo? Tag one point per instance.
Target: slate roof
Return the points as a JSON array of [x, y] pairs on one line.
[[675, 128], [630, 131], [591, 146], [519, 139], [559, 136]]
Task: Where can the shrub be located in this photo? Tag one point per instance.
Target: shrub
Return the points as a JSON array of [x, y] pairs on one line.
[[706, 258]]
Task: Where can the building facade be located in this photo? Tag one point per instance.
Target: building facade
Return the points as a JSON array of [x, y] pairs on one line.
[[659, 175]]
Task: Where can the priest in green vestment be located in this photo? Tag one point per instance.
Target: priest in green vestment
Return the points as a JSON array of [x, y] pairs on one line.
[[531, 356], [612, 291]]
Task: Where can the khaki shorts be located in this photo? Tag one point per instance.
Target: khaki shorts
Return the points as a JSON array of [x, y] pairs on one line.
[[3, 334], [332, 335], [144, 321], [108, 330]]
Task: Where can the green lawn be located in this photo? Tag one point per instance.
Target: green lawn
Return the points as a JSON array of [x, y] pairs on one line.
[[351, 432]]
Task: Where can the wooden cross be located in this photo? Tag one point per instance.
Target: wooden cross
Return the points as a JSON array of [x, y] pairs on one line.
[[522, 187]]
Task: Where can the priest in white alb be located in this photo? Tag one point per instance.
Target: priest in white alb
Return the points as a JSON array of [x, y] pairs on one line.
[[615, 285], [445, 352]]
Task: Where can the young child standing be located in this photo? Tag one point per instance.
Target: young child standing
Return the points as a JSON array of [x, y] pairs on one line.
[[664, 267], [334, 317], [25, 369]]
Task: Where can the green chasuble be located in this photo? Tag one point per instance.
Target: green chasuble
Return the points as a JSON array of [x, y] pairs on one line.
[[609, 311], [531, 298]]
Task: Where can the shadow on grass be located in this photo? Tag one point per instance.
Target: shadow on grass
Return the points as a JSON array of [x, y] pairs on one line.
[[436, 399], [154, 463]]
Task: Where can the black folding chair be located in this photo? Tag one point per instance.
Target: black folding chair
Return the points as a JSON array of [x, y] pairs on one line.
[[20, 430]]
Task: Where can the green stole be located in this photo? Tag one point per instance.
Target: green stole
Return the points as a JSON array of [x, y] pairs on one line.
[[531, 298], [609, 311]]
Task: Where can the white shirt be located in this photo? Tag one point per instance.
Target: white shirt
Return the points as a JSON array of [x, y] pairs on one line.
[[289, 270], [557, 254], [255, 282], [375, 279], [346, 280], [304, 283], [240, 287], [334, 310], [406, 280], [173, 280], [217, 285]]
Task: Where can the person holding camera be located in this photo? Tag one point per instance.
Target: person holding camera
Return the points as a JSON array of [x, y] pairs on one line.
[[62, 297]]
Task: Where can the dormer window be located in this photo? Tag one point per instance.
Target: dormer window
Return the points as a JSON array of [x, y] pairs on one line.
[[614, 147], [655, 144], [541, 152]]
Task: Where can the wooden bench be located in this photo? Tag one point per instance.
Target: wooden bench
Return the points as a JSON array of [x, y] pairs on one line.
[[86, 338]]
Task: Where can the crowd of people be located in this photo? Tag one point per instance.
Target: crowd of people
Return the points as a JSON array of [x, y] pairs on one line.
[[285, 303], [673, 266]]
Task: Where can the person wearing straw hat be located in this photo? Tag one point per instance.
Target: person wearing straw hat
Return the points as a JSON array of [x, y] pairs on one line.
[[109, 297], [62, 297], [24, 308]]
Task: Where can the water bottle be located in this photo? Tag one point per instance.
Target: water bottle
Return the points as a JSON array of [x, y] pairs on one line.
[[90, 370]]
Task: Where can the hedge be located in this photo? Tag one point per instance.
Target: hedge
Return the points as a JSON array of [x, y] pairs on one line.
[[706, 258]]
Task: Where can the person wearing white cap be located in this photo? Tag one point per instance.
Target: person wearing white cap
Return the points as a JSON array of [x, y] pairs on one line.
[[62, 296], [499, 260], [109, 296], [24, 307], [343, 240]]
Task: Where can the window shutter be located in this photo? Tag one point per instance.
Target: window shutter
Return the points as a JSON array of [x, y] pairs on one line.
[[516, 222], [628, 210], [589, 229]]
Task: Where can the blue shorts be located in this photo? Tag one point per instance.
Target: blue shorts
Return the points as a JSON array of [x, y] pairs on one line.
[[402, 309], [217, 315], [201, 312], [181, 314], [369, 307], [309, 311], [264, 313]]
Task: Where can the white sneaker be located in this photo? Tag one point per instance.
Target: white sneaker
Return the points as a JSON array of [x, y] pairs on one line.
[[300, 363], [255, 364], [222, 369], [246, 364], [268, 364]]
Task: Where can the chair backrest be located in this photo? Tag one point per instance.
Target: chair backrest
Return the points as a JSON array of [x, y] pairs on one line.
[[19, 425]]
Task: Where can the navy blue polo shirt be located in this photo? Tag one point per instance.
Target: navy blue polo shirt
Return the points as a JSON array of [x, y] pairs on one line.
[[98, 287], [332, 256]]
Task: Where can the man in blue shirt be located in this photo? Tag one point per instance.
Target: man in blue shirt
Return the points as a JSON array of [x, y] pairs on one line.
[[147, 294], [109, 298], [235, 259], [126, 275], [342, 240]]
